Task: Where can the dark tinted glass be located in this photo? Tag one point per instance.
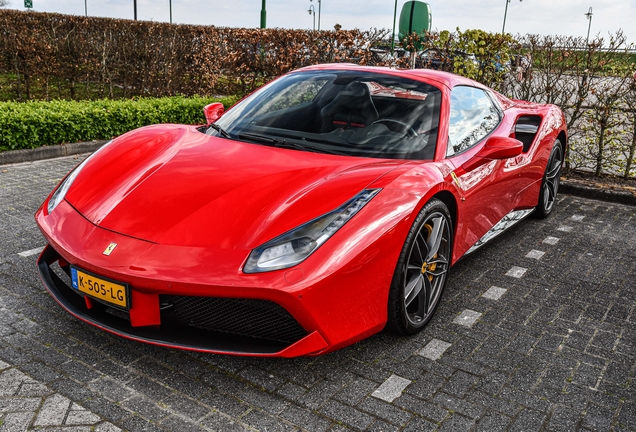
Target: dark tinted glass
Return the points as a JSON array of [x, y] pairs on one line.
[[344, 112]]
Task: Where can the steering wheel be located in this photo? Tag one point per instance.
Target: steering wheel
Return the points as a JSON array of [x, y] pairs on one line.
[[397, 124]]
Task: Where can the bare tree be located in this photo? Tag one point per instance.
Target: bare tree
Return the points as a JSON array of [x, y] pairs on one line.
[[4, 3]]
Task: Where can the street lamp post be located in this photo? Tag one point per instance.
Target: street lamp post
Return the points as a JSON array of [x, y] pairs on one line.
[[264, 14], [319, 4], [135, 7], [503, 29], [589, 17], [170, 3], [393, 33], [312, 10], [85, 8]]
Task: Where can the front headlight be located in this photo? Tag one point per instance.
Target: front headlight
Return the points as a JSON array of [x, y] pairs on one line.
[[63, 188], [296, 245]]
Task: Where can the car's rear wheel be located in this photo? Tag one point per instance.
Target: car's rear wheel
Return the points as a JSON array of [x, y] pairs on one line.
[[420, 275], [550, 183]]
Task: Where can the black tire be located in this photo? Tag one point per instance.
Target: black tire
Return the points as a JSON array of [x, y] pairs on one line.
[[550, 183], [420, 274]]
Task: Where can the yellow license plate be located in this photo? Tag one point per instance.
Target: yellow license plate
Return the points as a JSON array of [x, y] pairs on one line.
[[112, 292]]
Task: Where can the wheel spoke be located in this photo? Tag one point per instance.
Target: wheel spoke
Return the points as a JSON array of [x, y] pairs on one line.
[[412, 290], [419, 250], [554, 171], [551, 190], [439, 260], [437, 272], [425, 303], [435, 238]]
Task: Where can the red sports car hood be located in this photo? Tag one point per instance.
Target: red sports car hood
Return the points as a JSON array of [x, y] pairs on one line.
[[174, 185]]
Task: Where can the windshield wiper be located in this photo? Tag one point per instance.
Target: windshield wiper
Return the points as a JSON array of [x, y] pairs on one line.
[[278, 142], [220, 130]]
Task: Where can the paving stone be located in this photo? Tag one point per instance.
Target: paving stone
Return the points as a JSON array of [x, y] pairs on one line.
[[16, 421], [551, 240], [456, 423], [385, 411], [467, 318], [420, 425], [306, 419], [528, 420], [556, 352], [355, 391], [535, 254], [494, 293], [346, 414], [493, 422], [564, 419], [53, 411], [516, 272], [434, 349], [391, 389], [80, 416], [461, 406]]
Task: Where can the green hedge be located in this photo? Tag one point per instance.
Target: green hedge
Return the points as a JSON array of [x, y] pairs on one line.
[[34, 124]]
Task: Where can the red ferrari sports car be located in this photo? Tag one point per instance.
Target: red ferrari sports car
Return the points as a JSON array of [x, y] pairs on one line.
[[326, 206]]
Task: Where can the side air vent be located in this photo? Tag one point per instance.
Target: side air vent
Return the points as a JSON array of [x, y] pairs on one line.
[[526, 130]]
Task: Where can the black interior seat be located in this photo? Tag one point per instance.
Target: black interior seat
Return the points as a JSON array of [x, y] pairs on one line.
[[351, 108]]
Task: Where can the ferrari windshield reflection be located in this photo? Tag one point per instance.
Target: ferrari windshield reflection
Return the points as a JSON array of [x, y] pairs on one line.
[[340, 112]]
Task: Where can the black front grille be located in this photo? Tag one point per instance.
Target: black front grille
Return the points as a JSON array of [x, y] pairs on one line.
[[260, 319]]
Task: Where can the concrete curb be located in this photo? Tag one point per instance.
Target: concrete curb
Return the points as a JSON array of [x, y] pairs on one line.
[[609, 195], [49, 152]]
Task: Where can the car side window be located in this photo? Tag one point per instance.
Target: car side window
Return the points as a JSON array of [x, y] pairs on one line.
[[473, 116]]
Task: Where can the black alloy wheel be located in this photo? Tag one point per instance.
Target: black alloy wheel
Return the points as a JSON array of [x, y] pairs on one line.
[[550, 183], [420, 275]]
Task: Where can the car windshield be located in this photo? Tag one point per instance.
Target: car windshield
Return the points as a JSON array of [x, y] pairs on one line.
[[356, 113]]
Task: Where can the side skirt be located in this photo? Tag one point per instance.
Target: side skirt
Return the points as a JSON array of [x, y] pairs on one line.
[[506, 222]]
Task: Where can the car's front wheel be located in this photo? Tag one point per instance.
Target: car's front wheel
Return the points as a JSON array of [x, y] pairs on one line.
[[420, 275], [550, 183]]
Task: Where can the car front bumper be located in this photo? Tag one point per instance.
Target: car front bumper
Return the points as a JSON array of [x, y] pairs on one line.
[[197, 298]]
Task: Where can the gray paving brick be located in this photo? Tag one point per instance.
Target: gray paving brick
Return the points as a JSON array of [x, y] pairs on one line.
[[263, 400], [391, 389], [493, 422], [467, 318], [494, 293], [420, 425], [528, 420], [385, 411], [421, 407], [53, 411], [564, 419], [434, 349], [556, 351], [306, 419], [459, 405], [347, 415], [355, 391]]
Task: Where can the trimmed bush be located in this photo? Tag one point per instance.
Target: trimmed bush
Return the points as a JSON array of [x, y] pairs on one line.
[[34, 124]]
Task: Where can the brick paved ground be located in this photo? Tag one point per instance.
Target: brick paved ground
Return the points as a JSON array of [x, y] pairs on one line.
[[535, 332]]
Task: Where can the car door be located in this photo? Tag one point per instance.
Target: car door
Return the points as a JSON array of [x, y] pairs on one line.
[[487, 192]]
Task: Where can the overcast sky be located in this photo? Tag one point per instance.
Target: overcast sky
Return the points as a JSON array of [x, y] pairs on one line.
[[564, 17]]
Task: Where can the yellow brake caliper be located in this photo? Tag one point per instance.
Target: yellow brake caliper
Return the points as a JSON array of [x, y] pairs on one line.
[[426, 266]]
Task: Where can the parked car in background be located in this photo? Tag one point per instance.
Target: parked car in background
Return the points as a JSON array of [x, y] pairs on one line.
[[433, 58]]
